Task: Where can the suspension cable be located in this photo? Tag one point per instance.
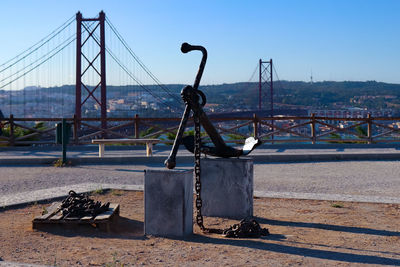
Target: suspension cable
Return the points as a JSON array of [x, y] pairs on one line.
[[38, 59], [63, 45], [252, 75], [39, 64], [278, 80], [136, 80], [50, 36], [108, 50], [122, 40]]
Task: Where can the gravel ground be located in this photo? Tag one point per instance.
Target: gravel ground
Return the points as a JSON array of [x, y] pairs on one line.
[[302, 233], [372, 178]]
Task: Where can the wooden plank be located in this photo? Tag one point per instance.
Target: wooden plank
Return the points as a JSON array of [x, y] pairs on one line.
[[50, 211], [124, 141], [104, 216], [114, 208], [87, 219], [56, 217]]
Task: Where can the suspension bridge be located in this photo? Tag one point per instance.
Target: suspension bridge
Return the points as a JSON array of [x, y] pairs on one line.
[[65, 74]]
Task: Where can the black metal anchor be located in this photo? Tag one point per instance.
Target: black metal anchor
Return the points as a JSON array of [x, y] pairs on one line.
[[191, 96]]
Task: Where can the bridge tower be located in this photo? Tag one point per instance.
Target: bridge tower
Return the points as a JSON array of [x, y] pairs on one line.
[[266, 84], [99, 22]]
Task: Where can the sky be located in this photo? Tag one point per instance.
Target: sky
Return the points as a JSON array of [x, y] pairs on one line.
[[335, 40]]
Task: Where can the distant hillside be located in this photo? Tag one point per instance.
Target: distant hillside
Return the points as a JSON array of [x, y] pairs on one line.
[[323, 95], [370, 94], [237, 97]]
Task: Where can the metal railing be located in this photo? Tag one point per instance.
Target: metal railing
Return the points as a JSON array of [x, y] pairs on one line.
[[291, 129]]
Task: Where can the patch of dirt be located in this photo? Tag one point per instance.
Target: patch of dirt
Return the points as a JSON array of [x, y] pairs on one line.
[[303, 232]]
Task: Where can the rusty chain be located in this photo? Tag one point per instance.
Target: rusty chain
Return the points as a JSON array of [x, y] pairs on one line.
[[247, 227], [80, 205], [197, 172]]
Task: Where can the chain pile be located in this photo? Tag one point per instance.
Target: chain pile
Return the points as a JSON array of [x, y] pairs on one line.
[[246, 228], [80, 205]]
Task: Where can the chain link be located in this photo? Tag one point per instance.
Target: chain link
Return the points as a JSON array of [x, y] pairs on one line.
[[197, 171]]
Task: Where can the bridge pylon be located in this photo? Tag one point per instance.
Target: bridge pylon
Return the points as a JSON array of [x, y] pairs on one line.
[[266, 84], [90, 62]]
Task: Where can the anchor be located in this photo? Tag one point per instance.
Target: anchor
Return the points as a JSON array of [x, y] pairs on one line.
[[191, 96]]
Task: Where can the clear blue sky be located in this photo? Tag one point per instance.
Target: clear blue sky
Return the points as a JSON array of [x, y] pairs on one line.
[[337, 40]]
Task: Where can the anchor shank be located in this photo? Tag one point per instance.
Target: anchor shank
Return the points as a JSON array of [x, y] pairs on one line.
[[185, 48], [170, 162]]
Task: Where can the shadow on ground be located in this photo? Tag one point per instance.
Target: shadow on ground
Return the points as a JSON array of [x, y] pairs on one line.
[[125, 228], [339, 228], [292, 250]]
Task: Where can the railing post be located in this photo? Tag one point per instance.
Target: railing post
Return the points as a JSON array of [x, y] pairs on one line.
[[313, 134], [272, 128], [137, 126], [255, 126], [64, 140], [369, 129], [12, 137], [75, 130]]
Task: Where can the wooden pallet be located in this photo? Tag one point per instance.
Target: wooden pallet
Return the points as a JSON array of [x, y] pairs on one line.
[[54, 217]]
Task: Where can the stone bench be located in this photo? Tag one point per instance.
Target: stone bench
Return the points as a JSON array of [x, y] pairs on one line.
[[149, 144]]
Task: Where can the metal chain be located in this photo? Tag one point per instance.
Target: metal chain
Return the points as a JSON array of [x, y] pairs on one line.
[[80, 205], [247, 227], [197, 172]]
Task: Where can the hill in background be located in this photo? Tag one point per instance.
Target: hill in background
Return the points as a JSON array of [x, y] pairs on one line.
[[153, 101], [317, 95]]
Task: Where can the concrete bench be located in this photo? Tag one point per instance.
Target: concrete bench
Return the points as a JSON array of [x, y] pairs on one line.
[[149, 144]]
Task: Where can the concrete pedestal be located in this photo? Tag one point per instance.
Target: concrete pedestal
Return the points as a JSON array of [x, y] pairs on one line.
[[227, 187], [168, 203]]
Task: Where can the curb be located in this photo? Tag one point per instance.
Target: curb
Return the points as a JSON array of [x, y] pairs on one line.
[[16, 264], [325, 157], [45, 195], [93, 160]]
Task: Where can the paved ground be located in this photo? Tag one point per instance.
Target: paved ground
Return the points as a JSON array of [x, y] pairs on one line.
[[346, 177], [163, 151], [342, 180], [301, 171]]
